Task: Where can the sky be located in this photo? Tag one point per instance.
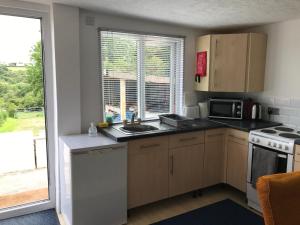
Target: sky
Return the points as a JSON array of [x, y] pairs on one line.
[[17, 37]]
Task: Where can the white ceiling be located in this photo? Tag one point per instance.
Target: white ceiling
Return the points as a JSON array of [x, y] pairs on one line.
[[199, 13]]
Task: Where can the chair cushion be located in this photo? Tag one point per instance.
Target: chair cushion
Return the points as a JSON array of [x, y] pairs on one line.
[[279, 196]]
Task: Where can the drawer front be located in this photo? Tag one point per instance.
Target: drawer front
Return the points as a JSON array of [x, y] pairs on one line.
[[148, 144], [238, 136], [297, 153], [186, 139], [214, 135]]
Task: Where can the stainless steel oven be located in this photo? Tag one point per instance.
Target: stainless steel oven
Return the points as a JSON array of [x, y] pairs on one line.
[[225, 108]]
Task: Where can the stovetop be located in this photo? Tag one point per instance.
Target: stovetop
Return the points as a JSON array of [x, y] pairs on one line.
[[279, 132], [281, 138]]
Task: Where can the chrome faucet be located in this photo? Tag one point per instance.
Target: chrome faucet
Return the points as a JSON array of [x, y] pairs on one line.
[[134, 114]]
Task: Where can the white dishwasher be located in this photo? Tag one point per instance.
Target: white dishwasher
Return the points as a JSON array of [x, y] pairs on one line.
[[93, 180]]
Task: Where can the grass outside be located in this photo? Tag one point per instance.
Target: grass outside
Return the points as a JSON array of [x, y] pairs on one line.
[[34, 121], [16, 68]]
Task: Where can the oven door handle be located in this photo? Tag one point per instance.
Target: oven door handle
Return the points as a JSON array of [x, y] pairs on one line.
[[282, 156]]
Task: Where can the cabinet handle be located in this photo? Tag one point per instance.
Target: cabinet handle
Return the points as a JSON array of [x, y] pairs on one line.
[[242, 139], [149, 146], [172, 165], [216, 49], [188, 139]]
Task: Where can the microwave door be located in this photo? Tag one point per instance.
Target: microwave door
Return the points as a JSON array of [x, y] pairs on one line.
[[221, 109]]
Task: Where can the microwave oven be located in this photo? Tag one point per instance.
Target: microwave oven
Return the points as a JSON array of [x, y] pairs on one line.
[[225, 108]]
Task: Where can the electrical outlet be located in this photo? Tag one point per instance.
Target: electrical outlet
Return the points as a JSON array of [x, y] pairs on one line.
[[273, 111]]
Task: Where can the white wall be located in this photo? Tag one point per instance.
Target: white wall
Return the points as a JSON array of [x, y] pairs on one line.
[[90, 90], [283, 54], [66, 64], [282, 78]]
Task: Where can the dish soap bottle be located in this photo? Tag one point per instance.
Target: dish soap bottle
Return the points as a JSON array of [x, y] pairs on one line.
[[93, 130]]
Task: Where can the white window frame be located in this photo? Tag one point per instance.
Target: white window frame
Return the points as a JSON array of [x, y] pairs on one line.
[[33, 10], [140, 79]]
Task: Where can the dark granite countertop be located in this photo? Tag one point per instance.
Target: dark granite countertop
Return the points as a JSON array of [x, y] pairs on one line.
[[163, 129], [247, 125], [297, 141], [193, 125]]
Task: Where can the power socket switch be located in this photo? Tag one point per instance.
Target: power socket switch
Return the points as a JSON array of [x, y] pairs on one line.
[[273, 111]]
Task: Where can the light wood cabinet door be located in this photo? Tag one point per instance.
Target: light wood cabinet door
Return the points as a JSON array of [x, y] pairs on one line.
[[229, 59], [186, 168], [256, 61], [214, 158], [297, 153], [297, 158], [237, 156], [296, 166], [148, 171]]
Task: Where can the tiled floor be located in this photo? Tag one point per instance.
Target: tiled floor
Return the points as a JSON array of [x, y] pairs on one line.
[[171, 207]]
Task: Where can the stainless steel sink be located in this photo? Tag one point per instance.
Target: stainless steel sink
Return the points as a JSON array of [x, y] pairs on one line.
[[137, 128]]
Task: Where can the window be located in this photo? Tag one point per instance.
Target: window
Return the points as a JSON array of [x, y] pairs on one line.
[[140, 73]]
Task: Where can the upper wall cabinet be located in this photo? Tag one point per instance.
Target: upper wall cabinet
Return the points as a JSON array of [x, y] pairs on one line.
[[234, 62]]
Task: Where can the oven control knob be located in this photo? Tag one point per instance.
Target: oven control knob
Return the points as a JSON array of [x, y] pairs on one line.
[[253, 139], [257, 140], [269, 143], [274, 144], [280, 146], [286, 147]]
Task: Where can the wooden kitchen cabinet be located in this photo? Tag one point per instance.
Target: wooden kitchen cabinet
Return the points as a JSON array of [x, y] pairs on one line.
[[148, 170], [214, 157], [237, 158], [297, 159], [186, 155], [296, 166], [186, 168], [235, 62]]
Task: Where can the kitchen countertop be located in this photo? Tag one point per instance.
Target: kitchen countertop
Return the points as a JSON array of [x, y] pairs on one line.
[[164, 129], [193, 125], [83, 142], [247, 125]]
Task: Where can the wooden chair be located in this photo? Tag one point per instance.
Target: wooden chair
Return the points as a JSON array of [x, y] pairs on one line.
[[279, 196]]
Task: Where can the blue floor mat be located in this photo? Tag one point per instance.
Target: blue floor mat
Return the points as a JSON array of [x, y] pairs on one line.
[[47, 217], [225, 212]]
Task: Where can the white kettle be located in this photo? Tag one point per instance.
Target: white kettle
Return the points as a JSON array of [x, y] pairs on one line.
[[256, 113]]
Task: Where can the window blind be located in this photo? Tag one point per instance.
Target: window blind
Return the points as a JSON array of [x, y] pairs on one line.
[[140, 73]]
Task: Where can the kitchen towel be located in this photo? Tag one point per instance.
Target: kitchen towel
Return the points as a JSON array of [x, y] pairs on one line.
[[264, 162]]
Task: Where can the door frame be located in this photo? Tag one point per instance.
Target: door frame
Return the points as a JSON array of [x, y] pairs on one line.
[[42, 12]]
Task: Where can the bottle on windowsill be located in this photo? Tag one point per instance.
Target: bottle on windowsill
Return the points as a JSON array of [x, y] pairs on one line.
[[93, 130]]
